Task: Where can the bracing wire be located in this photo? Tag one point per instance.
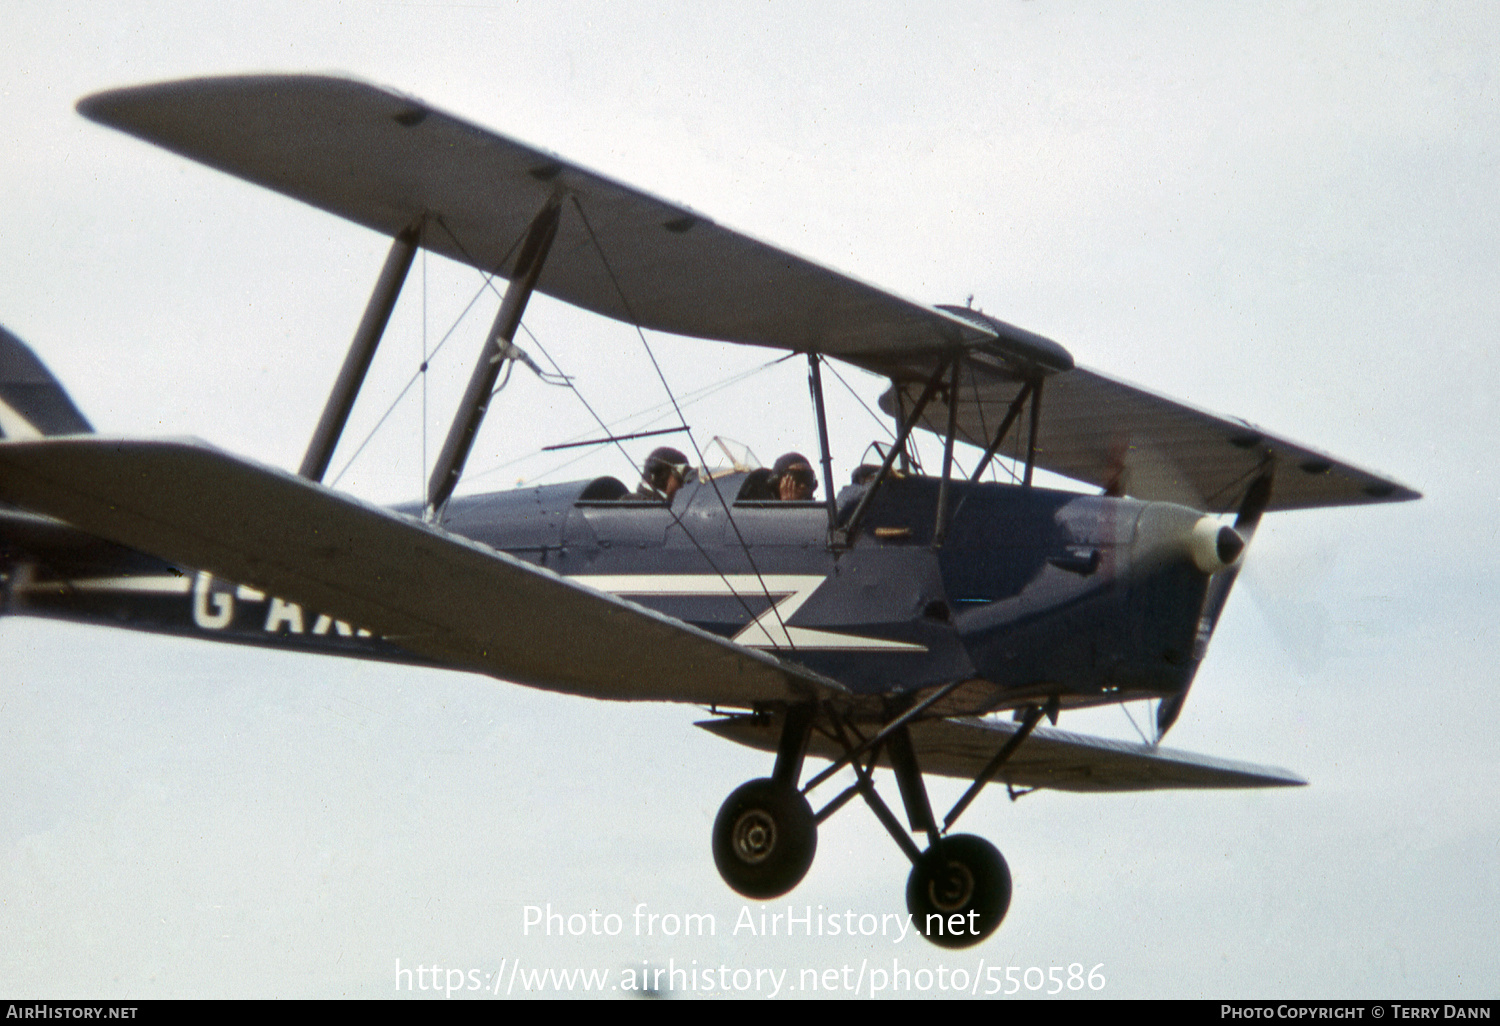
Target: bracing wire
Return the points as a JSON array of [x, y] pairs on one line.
[[422, 370], [984, 430], [420, 373], [1144, 740], [873, 416], [688, 400], [635, 321], [564, 379]]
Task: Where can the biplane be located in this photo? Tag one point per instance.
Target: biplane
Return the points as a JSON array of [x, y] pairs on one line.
[[922, 622]]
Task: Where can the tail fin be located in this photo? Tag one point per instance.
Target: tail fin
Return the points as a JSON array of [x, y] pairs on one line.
[[32, 403]]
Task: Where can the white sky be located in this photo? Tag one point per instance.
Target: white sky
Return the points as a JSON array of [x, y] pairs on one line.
[[1285, 212]]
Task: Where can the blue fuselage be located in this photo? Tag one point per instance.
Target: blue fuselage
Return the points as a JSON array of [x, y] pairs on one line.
[[1032, 592]]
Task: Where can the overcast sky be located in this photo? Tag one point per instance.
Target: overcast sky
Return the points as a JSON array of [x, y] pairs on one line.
[[1283, 212]]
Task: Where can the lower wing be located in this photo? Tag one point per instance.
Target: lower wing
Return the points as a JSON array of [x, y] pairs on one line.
[[437, 596]]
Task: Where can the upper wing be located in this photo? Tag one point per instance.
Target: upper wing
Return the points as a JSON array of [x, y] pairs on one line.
[[1114, 435], [434, 594], [386, 161], [1048, 758], [389, 161]]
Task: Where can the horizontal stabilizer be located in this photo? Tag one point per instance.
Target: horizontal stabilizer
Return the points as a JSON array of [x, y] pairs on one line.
[[1051, 758], [438, 596]]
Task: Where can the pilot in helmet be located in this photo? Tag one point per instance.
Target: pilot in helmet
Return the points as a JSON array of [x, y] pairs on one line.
[[793, 478], [666, 470]]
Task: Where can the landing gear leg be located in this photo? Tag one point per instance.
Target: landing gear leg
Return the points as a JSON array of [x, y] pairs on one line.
[[765, 836], [959, 888]]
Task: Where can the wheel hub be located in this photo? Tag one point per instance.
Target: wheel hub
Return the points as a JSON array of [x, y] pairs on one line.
[[959, 892], [764, 839], [754, 836], [952, 888]]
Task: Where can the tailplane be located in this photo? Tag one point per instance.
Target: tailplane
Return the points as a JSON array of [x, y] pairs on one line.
[[32, 403]]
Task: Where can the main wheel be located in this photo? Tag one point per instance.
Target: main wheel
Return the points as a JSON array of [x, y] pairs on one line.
[[959, 891], [764, 839]]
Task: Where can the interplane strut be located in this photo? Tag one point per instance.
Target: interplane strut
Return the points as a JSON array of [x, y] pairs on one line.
[[361, 351], [476, 400]]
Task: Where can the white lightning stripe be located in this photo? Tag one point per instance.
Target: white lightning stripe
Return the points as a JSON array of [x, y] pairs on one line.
[[703, 585], [164, 584], [769, 629]]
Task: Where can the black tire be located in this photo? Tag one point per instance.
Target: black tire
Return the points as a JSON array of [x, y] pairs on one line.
[[964, 876], [764, 839]]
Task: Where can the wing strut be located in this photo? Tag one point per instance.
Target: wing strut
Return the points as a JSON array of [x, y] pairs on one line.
[[851, 527], [815, 383], [940, 527], [1005, 425], [1036, 420], [497, 347], [361, 351]]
